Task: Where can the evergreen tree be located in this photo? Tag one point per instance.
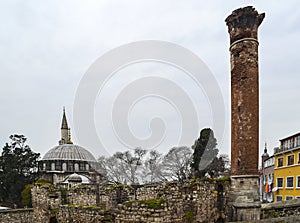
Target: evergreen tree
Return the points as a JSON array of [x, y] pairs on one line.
[[18, 167], [205, 150]]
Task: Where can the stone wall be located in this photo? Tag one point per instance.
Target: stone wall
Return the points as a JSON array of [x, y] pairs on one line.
[[83, 195], [112, 195], [16, 216], [202, 201], [281, 209], [195, 201], [46, 200], [81, 214]]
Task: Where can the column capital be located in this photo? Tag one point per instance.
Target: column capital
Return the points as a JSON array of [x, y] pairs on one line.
[[244, 23]]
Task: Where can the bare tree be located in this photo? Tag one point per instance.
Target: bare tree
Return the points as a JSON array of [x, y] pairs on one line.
[[176, 164], [112, 169], [152, 167], [124, 167]]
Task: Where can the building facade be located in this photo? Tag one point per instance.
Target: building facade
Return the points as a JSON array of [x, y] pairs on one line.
[[287, 169], [266, 174], [268, 180]]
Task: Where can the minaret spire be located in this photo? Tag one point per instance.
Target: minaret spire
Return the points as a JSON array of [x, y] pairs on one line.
[[266, 150], [65, 131], [64, 123]]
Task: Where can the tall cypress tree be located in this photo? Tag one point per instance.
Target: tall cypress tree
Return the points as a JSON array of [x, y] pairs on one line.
[[205, 151]]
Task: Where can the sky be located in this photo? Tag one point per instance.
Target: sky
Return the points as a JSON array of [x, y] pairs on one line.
[[48, 48]]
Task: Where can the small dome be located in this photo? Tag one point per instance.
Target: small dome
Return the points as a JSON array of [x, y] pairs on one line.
[[69, 152], [74, 178], [265, 154]]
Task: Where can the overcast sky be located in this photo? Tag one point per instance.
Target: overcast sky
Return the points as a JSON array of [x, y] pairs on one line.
[[47, 47]]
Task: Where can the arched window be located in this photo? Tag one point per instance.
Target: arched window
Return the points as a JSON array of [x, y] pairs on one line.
[[64, 167], [76, 167], [52, 166]]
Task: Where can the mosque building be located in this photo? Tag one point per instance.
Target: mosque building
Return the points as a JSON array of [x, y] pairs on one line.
[[68, 163]]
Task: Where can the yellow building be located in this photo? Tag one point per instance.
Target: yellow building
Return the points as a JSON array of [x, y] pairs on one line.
[[287, 169]]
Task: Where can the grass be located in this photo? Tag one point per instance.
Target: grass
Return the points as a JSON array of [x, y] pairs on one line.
[[155, 203]]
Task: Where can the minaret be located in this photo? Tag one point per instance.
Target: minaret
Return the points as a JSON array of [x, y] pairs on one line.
[[243, 25], [65, 131]]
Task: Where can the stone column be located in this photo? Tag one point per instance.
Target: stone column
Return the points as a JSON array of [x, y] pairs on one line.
[[243, 25]]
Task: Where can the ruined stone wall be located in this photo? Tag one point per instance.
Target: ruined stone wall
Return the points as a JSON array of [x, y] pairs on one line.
[[203, 201], [17, 216], [78, 214], [46, 200], [83, 195], [197, 200], [112, 195]]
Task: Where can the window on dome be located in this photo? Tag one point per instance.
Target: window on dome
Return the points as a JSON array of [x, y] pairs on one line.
[[52, 166], [64, 166], [58, 165], [70, 166], [81, 166], [76, 167]]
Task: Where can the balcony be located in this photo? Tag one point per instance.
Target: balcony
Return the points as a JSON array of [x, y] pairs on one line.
[[283, 149]]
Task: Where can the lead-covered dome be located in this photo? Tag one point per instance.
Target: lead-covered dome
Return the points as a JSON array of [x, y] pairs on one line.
[[69, 152]]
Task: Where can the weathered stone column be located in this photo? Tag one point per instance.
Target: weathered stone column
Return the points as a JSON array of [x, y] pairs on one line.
[[243, 25]]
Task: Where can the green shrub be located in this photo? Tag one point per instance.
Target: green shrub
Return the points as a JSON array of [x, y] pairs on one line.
[[155, 203], [26, 196], [189, 215]]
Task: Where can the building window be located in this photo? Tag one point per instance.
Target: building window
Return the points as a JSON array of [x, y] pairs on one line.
[[278, 198], [279, 182], [280, 162], [298, 140], [289, 198], [290, 160], [298, 181], [289, 182]]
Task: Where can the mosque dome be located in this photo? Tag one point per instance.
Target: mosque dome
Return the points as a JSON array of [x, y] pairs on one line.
[[67, 158], [69, 152]]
